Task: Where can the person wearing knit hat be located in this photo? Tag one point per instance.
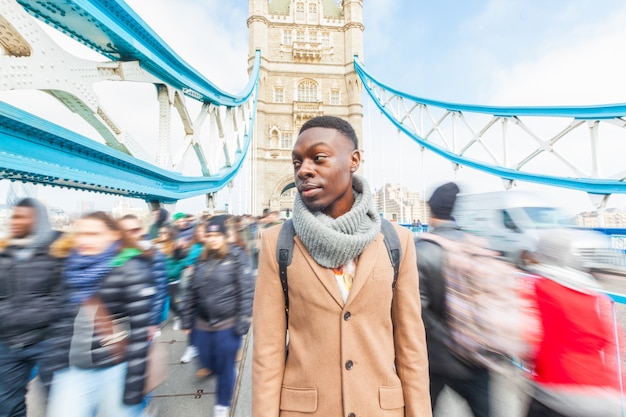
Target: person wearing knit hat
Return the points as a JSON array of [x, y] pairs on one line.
[[184, 228], [471, 382], [356, 345], [178, 216], [442, 201], [216, 224], [218, 306]]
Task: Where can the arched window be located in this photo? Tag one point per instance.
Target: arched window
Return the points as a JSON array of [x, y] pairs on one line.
[[274, 138], [307, 91]]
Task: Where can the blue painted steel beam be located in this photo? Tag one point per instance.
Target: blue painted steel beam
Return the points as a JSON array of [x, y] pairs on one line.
[[113, 29], [589, 185], [34, 150], [599, 112]]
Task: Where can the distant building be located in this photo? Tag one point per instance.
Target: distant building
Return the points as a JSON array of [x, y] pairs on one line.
[[613, 218], [397, 203], [121, 208]]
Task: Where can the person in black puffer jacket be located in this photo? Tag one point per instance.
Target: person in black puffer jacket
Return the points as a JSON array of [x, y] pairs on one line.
[[110, 292], [218, 306], [30, 285]]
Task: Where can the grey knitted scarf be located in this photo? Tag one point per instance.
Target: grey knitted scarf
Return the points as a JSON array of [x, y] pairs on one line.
[[333, 242]]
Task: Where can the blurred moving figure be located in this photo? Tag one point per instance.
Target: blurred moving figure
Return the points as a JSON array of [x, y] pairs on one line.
[[132, 228], [471, 382], [576, 368], [218, 307], [185, 227], [194, 249], [166, 243], [101, 337], [29, 294], [250, 235], [160, 216]]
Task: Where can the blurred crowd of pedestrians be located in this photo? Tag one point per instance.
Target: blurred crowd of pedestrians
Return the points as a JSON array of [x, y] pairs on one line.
[[81, 308], [572, 356]]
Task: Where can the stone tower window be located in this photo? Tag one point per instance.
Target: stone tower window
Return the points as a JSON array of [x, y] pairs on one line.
[[279, 94], [307, 91], [300, 11], [312, 12], [325, 39], [286, 140], [335, 96], [287, 37], [300, 37]]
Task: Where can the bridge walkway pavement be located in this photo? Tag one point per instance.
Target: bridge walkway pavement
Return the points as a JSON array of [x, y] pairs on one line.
[[182, 395]]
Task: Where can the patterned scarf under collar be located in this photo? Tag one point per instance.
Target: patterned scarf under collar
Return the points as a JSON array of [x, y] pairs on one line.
[[84, 273], [334, 242]]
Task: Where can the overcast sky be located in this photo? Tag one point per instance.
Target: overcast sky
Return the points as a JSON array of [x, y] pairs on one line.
[[500, 52]]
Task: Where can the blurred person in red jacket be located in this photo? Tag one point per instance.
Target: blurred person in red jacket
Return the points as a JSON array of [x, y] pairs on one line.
[[576, 361]]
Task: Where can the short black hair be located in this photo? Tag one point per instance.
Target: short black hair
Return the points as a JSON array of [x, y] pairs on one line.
[[332, 122]]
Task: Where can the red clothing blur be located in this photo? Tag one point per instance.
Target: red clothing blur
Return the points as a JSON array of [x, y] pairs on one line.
[[578, 345]]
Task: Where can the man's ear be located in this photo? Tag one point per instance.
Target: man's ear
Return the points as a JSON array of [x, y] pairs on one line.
[[356, 161]]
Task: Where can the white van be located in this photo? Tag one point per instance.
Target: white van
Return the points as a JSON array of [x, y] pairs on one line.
[[513, 221]]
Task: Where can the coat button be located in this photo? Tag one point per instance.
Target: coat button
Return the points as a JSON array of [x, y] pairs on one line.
[[349, 365], [351, 415], [347, 316]]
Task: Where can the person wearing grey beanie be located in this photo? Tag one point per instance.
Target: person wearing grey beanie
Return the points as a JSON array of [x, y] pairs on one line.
[[470, 381], [442, 201], [356, 343]]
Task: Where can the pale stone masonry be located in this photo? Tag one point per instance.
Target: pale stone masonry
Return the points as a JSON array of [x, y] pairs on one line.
[[307, 53]]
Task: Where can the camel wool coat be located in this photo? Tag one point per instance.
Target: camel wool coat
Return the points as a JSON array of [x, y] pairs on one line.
[[362, 358]]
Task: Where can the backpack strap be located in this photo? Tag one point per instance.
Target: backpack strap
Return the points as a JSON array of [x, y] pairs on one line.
[[392, 243], [284, 253]]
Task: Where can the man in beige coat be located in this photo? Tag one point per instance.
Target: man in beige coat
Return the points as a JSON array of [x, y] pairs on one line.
[[356, 346]]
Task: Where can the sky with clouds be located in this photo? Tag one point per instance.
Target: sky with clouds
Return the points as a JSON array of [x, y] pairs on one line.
[[497, 52]]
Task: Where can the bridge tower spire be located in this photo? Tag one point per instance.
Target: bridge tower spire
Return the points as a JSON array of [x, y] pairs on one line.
[[307, 52]]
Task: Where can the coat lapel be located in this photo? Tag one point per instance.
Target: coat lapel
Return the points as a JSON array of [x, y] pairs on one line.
[[364, 267], [325, 275]]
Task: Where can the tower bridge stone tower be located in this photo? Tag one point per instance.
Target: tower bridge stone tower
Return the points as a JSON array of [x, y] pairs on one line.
[[307, 52]]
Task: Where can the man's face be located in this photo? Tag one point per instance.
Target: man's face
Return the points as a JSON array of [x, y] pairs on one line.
[[323, 162], [22, 221]]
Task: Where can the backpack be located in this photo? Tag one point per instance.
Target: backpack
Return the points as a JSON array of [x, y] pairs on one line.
[[284, 252], [484, 308]]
